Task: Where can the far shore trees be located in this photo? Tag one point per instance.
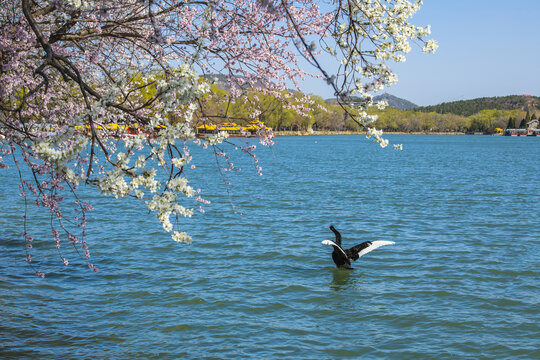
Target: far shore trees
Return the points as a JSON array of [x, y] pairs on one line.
[[511, 123], [328, 116]]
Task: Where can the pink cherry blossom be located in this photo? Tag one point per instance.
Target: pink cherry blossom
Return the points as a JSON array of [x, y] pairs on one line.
[[107, 96]]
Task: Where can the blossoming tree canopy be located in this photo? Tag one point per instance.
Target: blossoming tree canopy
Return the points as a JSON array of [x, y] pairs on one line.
[[86, 83]]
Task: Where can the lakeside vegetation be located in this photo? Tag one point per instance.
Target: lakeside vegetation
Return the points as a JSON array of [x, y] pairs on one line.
[[483, 115]]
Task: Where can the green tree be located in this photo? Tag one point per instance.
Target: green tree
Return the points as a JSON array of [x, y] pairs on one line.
[[526, 120]]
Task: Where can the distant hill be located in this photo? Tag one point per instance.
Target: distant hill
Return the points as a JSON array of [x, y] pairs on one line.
[[470, 107], [395, 102]]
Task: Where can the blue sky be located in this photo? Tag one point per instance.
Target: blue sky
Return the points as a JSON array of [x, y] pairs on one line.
[[486, 48]]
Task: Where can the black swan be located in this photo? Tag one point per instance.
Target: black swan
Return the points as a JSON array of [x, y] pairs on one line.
[[342, 258]]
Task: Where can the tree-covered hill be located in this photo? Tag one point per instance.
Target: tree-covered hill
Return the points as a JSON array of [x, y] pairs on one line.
[[473, 106]]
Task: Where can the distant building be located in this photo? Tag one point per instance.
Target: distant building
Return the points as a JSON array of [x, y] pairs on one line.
[[252, 129], [531, 130]]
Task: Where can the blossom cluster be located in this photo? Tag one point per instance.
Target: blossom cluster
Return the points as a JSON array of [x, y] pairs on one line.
[[377, 135], [141, 178]]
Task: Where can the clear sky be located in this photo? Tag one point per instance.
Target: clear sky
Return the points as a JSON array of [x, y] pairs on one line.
[[486, 48]]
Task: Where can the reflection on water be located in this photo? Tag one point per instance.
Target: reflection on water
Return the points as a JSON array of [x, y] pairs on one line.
[[341, 278]]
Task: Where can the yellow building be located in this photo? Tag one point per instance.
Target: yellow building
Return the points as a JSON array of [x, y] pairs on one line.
[[233, 129]]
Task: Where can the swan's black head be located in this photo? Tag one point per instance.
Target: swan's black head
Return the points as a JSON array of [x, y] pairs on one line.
[[331, 227]]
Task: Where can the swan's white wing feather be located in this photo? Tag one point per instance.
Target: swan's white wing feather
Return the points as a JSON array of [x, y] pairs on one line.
[[374, 245], [330, 242]]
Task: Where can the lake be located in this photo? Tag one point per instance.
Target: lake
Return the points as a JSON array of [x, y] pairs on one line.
[[461, 282]]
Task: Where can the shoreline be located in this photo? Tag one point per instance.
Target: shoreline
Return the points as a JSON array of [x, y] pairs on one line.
[[315, 133]]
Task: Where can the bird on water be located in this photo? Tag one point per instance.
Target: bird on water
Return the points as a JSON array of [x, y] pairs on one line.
[[342, 258]]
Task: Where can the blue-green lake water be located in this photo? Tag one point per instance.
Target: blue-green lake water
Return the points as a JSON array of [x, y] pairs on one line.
[[461, 282]]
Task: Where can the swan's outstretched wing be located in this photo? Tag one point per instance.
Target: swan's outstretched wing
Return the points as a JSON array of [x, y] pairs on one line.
[[331, 243], [374, 245], [362, 249]]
